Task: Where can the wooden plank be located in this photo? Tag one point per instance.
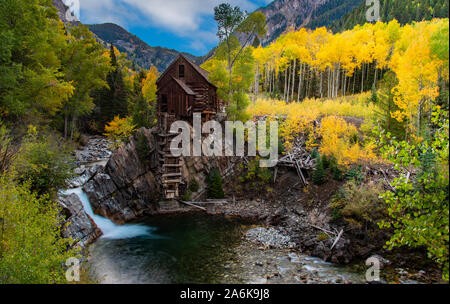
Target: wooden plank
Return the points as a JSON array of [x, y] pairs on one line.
[[172, 181], [192, 205], [171, 175]]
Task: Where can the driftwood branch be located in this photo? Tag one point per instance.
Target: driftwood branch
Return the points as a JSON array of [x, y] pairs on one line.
[[328, 232], [337, 238], [298, 158]]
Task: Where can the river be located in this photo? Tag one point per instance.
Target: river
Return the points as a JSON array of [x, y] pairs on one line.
[[197, 248]]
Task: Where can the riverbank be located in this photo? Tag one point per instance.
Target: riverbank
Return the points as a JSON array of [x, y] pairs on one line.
[[292, 220]]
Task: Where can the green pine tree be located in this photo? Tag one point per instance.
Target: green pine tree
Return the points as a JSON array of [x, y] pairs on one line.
[[215, 187], [319, 172]]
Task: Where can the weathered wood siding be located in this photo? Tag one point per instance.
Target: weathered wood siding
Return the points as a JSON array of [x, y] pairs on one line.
[[178, 101]]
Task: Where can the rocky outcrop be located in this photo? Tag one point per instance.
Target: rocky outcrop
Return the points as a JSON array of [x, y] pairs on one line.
[[84, 175], [126, 188], [64, 13], [79, 226], [130, 186]]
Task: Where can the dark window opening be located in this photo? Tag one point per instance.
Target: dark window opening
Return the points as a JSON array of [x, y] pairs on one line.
[[181, 71], [164, 103]]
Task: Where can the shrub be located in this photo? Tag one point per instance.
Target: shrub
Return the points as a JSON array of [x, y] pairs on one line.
[[325, 161], [373, 95], [359, 205], [355, 174], [194, 185], [256, 174], [335, 170], [32, 250], [322, 236], [186, 196], [143, 149], [315, 154], [44, 163], [215, 187], [119, 130], [7, 149]]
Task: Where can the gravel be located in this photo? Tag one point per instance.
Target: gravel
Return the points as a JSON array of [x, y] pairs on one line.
[[269, 237]]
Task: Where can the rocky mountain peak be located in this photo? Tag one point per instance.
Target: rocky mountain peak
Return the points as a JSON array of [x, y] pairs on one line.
[[281, 14]]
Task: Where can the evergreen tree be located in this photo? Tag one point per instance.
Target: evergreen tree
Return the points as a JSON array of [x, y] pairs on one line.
[[112, 101], [143, 114], [386, 106], [325, 161], [405, 11], [374, 95], [319, 172], [215, 187]]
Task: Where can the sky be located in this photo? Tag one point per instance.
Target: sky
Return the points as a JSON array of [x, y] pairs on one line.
[[184, 25]]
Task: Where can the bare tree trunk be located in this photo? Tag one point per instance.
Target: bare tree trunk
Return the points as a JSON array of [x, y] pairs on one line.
[[345, 85], [362, 78], [293, 78], [338, 74], [288, 92], [274, 78], [299, 82], [328, 83], [285, 84], [321, 83], [72, 127], [375, 77], [66, 118], [308, 82], [270, 79], [256, 82], [367, 71]]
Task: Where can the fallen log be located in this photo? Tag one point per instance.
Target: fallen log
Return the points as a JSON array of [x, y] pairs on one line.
[[192, 205]]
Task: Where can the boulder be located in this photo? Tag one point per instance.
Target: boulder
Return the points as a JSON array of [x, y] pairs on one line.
[[78, 224]]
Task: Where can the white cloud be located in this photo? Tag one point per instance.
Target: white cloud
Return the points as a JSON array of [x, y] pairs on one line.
[[177, 16], [183, 18]]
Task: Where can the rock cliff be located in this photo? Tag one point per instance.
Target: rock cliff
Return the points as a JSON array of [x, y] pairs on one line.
[[80, 226], [129, 186]]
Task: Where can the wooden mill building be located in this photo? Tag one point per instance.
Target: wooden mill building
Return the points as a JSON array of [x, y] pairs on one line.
[[183, 89]]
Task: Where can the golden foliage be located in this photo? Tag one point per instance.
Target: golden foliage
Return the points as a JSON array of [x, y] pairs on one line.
[[119, 130], [149, 85], [338, 138]]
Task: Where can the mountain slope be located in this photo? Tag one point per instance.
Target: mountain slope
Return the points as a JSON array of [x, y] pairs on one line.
[[405, 11], [138, 51], [282, 14]]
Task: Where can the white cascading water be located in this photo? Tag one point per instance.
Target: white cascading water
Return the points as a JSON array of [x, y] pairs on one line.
[[110, 230]]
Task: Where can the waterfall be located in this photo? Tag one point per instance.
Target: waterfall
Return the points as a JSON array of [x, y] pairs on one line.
[[110, 230]]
